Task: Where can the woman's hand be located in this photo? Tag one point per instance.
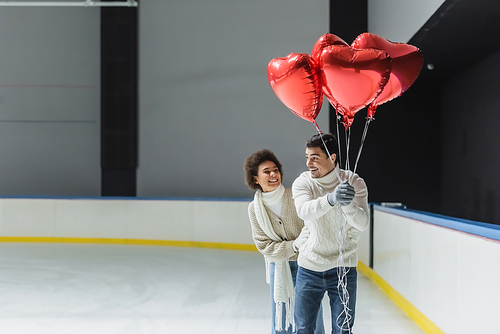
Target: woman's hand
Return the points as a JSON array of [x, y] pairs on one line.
[[301, 239]]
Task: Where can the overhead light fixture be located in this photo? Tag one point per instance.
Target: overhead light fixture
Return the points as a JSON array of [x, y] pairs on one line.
[[86, 3]]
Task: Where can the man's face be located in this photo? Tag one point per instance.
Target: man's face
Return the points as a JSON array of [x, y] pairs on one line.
[[318, 162]]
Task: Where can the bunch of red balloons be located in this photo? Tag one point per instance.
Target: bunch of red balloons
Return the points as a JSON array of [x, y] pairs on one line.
[[369, 72]]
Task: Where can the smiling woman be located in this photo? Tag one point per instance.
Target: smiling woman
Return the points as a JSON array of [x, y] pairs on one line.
[[278, 234], [260, 164], [268, 176]]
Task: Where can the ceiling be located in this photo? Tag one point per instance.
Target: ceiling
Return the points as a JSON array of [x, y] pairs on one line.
[[458, 35]]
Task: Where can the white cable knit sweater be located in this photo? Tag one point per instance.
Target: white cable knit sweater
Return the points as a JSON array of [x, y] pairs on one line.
[[321, 250]]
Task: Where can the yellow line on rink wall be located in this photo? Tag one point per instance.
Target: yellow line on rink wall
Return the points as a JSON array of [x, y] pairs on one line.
[[147, 242], [418, 317]]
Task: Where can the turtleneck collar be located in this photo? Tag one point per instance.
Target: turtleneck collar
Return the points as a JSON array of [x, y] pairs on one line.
[[274, 196], [330, 180]]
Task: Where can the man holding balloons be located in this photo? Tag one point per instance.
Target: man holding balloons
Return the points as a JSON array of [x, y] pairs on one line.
[[334, 202], [334, 206]]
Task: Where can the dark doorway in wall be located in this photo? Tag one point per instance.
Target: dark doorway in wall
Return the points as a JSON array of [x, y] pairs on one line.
[[119, 100]]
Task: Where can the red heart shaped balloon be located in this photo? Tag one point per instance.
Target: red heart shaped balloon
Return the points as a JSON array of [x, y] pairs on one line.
[[407, 62], [353, 78], [296, 81], [324, 41]]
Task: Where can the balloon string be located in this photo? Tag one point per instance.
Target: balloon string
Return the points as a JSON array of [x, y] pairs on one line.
[[338, 140], [362, 142], [327, 151], [348, 142], [342, 271], [317, 127]]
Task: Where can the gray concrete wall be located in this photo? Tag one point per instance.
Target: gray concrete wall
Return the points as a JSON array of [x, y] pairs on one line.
[[49, 101], [205, 102]]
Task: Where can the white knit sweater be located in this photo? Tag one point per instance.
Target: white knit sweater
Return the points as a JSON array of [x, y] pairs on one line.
[[321, 250], [287, 227]]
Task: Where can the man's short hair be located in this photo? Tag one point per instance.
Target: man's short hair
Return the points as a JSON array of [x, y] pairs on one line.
[[329, 140]]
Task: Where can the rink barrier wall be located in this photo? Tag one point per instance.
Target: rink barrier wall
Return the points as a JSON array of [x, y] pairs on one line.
[[411, 311], [201, 222], [427, 264], [443, 266], [184, 222]]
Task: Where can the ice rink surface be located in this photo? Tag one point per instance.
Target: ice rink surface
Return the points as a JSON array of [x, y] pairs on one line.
[[97, 288]]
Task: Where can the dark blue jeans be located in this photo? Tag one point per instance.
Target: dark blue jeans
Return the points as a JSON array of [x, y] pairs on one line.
[[320, 329], [310, 290]]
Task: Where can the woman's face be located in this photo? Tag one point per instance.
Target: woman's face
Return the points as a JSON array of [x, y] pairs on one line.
[[268, 176]]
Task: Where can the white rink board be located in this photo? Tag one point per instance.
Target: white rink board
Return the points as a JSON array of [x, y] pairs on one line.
[[177, 220], [221, 221], [449, 275]]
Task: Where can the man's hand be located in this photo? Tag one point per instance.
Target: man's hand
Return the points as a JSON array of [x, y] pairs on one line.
[[342, 195], [301, 239]]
